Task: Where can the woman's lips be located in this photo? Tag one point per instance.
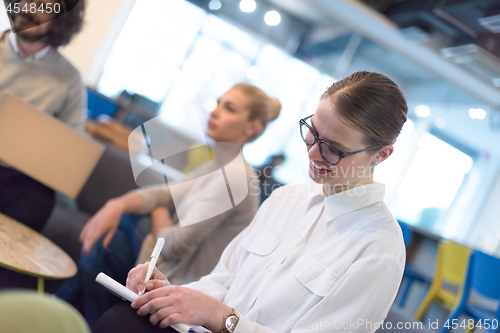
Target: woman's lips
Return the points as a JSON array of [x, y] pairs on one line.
[[211, 125], [316, 170]]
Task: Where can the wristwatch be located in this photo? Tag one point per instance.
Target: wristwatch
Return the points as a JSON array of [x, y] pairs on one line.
[[229, 322]]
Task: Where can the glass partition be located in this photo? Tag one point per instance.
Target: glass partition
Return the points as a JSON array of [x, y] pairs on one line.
[[182, 56]]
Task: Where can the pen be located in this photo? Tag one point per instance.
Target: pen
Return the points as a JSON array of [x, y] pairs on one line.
[[152, 263]]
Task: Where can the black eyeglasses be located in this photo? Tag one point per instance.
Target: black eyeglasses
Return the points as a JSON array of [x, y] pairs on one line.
[[331, 154]]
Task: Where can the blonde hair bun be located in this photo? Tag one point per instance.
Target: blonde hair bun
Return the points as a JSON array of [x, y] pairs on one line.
[[261, 106], [275, 108]]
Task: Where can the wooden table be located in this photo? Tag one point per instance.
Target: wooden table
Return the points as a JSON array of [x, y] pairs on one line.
[[26, 251]]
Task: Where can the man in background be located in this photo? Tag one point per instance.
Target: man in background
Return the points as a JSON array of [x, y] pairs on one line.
[[32, 69]]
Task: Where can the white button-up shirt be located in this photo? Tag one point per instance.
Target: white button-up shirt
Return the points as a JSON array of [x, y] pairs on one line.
[[35, 56], [312, 263]]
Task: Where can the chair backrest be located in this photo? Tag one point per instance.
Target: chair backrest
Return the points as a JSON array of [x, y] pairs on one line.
[[452, 261], [484, 274], [28, 311], [98, 104], [407, 233]]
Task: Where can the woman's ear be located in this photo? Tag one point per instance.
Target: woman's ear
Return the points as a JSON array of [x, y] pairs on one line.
[[253, 128], [384, 153]]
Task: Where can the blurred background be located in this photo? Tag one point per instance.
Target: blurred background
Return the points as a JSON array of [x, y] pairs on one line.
[[167, 56]]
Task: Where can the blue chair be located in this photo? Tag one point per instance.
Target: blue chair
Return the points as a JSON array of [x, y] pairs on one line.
[[410, 274], [99, 104], [483, 275], [407, 233]]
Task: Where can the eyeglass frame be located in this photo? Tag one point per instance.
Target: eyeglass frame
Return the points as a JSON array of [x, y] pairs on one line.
[[318, 139]]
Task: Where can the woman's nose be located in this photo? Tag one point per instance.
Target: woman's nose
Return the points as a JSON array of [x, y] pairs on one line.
[[314, 152], [215, 112]]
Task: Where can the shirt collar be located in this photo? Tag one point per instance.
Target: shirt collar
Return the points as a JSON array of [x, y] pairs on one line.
[[352, 199], [35, 56]]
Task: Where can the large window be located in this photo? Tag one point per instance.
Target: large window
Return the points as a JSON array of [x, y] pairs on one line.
[[151, 47], [183, 57], [432, 182]]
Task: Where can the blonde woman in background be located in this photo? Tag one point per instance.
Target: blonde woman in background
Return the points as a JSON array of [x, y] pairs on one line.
[[190, 252]]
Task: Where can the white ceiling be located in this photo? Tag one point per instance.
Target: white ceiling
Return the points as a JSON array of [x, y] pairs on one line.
[[303, 10]]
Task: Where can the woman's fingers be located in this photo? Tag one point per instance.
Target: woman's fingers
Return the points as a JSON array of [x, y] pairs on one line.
[[151, 296], [84, 231], [104, 222], [154, 304], [140, 276], [155, 284], [137, 275], [174, 304], [131, 283], [162, 314], [89, 241], [174, 318], [108, 238], [90, 234], [135, 278], [157, 275]]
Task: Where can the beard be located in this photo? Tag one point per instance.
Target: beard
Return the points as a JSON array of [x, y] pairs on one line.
[[24, 31], [27, 36]]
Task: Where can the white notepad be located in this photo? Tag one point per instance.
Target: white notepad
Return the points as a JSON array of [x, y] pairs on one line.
[[128, 295]]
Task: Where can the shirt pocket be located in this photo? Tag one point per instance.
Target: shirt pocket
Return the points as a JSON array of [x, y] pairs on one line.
[[313, 275], [260, 242]]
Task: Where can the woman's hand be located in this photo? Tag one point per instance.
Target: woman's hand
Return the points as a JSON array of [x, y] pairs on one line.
[[176, 304], [160, 218], [136, 276], [105, 221]]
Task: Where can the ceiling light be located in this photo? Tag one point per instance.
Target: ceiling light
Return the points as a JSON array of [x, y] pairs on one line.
[[235, 61], [422, 111], [477, 114], [440, 122], [214, 5], [253, 72], [472, 113], [481, 114], [272, 18], [247, 6]]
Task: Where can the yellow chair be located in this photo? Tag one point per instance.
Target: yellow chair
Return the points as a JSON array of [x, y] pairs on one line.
[[451, 266], [25, 311], [196, 156]]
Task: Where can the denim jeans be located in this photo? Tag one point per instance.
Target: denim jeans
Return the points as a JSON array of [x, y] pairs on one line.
[[115, 261]]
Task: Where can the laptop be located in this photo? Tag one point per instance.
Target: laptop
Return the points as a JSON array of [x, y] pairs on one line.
[[45, 148]]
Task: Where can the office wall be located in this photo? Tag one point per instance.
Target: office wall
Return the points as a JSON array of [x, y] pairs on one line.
[[103, 22], [4, 21]]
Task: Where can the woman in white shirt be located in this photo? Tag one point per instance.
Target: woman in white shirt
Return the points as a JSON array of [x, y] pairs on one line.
[[326, 256]]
